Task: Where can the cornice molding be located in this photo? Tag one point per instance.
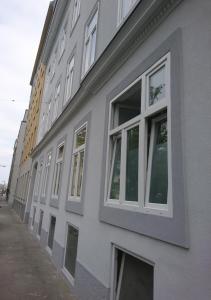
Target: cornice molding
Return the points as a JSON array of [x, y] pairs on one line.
[[128, 38]]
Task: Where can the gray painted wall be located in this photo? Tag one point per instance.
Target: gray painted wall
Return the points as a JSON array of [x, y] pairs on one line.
[[179, 273]]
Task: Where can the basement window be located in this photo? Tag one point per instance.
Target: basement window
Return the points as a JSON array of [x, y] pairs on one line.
[[133, 278], [71, 251], [40, 222], [51, 232]]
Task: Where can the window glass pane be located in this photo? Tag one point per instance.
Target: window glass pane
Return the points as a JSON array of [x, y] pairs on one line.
[[71, 250], [137, 279], [115, 183], [127, 106], [59, 178], [75, 158], [126, 4], [132, 164], [55, 180], [157, 86], [60, 153], [40, 222], [159, 170], [51, 232], [81, 137], [87, 54], [93, 46], [80, 174]]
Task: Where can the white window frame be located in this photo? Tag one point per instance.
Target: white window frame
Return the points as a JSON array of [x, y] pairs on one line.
[[56, 175], [115, 248], [33, 216], [89, 55], [46, 174], [48, 115], [53, 66], [77, 151], [122, 17], [76, 12], [64, 270], [69, 79], [56, 101], [37, 179], [142, 205], [62, 42]]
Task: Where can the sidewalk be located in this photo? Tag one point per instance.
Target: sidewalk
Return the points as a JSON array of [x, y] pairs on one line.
[[26, 271]]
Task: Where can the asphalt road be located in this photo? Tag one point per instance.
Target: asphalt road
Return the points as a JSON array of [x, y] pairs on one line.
[[26, 272]]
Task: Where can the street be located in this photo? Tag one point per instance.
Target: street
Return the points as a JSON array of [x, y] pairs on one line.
[[26, 272]]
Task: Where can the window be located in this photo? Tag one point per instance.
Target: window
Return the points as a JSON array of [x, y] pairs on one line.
[[78, 162], [90, 43], [51, 232], [76, 12], [40, 222], [48, 115], [58, 171], [62, 42], [45, 175], [124, 7], [53, 67], [56, 102], [139, 171], [71, 250], [34, 213], [69, 79], [133, 278], [37, 179]]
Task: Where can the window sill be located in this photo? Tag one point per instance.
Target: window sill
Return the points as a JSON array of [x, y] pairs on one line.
[[133, 207]]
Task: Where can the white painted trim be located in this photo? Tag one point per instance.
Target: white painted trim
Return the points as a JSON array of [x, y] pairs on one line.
[[141, 120]]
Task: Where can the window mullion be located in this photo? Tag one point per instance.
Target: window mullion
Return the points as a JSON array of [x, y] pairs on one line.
[[142, 161], [123, 165], [77, 172]]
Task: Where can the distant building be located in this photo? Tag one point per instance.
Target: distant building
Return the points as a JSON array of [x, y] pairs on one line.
[[14, 171], [120, 179], [21, 205]]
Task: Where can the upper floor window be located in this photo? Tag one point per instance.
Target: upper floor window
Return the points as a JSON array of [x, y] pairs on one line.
[[76, 12], [37, 179], [62, 42], [90, 42], [69, 79], [58, 170], [124, 7], [45, 174], [53, 66], [56, 102], [78, 162], [139, 150]]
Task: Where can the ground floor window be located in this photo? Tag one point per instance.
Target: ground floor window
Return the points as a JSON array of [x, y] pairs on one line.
[[33, 218], [40, 222], [51, 232], [133, 278], [71, 250]]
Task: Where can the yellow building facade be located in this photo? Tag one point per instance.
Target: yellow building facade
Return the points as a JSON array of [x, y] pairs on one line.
[[34, 113]]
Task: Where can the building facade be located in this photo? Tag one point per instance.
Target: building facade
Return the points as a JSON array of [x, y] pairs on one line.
[[120, 180], [16, 159], [30, 138]]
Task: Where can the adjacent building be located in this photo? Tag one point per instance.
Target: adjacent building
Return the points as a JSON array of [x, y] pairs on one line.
[[13, 181], [120, 192], [30, 138]]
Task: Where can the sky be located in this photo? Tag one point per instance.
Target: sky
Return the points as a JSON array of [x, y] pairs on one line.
[[21, 23]]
